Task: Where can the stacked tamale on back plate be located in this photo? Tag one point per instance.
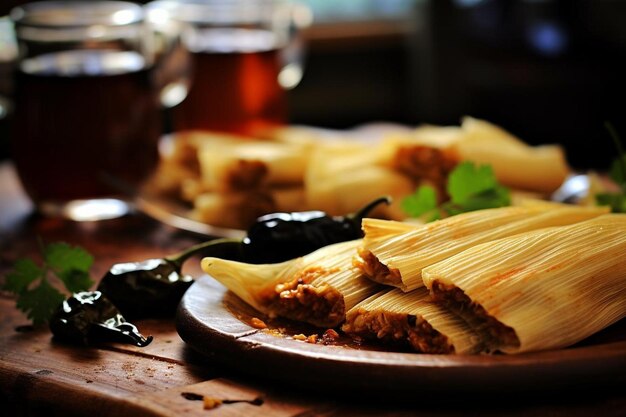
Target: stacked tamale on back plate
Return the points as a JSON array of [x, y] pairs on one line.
[[515, 279], [228, 181]]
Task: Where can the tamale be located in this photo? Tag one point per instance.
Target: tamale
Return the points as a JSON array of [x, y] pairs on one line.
[[340, 178], [237, 210], [251, 164], [515, 163], [431, 152], [538, 290], [411, 319], [399, 260], [317, 288], [383, 229], [423, 154]]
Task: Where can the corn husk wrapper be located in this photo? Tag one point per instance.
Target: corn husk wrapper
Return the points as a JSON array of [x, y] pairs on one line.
[[395, 317], [308, 136], [342, 177], [515, 163], [438, 138], [409, 253], [346, 192], [251, 164], [326, 274], [552, 287], [235, 210], [383, 229]]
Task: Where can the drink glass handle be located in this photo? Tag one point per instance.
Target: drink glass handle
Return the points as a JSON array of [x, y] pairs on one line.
[[172, 63], [294, 53]]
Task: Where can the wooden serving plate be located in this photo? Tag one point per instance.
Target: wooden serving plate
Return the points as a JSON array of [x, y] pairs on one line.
[[214, 322]]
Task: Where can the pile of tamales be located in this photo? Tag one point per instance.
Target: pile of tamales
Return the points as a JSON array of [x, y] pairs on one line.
[[229, 181], [532, 277]]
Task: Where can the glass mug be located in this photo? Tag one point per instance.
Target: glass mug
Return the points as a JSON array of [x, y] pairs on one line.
[[244, 54], [86, 107]]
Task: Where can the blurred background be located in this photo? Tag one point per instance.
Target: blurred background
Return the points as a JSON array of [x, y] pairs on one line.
[[548, 71]]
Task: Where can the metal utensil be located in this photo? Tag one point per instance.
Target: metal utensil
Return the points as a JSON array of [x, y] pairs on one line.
[[574, 188]]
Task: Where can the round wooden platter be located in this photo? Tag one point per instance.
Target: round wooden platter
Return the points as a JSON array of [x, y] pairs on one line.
[[214, 322]]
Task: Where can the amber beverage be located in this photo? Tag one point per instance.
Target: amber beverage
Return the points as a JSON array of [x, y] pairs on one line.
[[87, 115], [234, 83], [245, 54], [82, 118]]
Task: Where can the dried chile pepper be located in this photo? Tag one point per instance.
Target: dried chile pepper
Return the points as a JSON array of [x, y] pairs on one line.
[[154, 287], [89, 317], [281, 236]]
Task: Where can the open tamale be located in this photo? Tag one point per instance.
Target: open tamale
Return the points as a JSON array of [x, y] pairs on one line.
[[538, 290], [317, 288], [251, 164], [430, 152], [411, 320], [399, 260]]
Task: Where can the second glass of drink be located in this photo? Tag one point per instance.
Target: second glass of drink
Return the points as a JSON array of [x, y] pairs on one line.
[[245, 53]]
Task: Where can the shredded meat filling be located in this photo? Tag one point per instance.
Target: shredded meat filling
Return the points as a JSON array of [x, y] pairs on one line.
[[246, 175], [426, 163], [495, 333], [398, 329], [376, 270], [301, 300]]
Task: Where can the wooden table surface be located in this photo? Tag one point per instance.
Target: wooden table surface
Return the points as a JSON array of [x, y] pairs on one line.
[[40, 376]]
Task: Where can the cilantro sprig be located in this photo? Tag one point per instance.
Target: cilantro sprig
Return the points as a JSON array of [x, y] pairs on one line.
[[617, 172], [36, 285], [470, 188]]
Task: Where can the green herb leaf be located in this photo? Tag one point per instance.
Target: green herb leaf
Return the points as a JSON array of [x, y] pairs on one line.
[[498, 196], [617, 172], [70, 264], [40, 303], [616, 201], [25, 272], [423, 201], [36, 296], [468, 181], [470, 188], [76, 281]]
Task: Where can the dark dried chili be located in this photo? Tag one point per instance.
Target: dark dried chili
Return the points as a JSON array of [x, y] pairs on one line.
[[153, 288], [89, 317], [281, 236]]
